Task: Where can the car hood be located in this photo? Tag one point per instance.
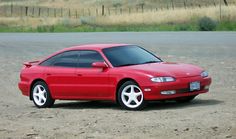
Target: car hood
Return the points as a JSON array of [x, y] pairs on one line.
[[168, 69]]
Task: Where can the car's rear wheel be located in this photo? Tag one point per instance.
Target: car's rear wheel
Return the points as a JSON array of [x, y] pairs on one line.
[[185, 99], [130, 96], [41, 95]]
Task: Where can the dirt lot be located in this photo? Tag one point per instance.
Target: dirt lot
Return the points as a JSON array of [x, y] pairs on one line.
[[211, 115]]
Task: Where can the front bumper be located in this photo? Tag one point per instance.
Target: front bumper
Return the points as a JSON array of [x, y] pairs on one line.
[[181, 86]]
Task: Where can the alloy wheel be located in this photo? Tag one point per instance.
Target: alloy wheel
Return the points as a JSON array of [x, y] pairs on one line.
[[39, 95], [132, 96]]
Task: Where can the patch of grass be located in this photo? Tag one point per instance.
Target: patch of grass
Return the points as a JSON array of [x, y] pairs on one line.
[[226, 26], [45, 28], [191, 26], [130, 28], [12, 29], [87, 28]]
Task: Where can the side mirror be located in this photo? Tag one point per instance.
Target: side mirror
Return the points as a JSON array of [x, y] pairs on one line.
[[102, 65]]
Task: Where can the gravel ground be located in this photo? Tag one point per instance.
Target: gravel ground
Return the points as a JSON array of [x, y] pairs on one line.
[[211, 115]]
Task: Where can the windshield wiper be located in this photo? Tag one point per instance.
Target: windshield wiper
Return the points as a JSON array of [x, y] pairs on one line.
[[130, 64], [126, 65], [150, 62]]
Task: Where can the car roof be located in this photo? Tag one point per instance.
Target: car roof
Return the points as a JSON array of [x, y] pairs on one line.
[[95, 46], [87, 47]]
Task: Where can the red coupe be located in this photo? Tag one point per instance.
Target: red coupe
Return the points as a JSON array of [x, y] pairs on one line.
[[126, 74]]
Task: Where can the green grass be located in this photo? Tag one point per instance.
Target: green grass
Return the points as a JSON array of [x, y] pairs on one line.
[[193, 26], [226, 26]]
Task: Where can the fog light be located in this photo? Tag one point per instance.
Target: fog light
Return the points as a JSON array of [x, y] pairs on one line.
[[170, 92], [147, 90], [206, 87]]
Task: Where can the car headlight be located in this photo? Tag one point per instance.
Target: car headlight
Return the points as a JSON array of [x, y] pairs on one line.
[[204, 74], [162, 79]]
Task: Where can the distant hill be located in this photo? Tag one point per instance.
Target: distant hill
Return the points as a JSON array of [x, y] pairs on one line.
[[76, 4], [116, 15]]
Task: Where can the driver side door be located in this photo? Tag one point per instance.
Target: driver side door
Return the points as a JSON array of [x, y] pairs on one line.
[[92, 83]]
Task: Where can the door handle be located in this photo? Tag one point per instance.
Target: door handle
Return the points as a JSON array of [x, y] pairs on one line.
[[79, 74], [48, 74]]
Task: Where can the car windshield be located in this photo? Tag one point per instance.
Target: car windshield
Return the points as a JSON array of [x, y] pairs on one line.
[[129, 55]]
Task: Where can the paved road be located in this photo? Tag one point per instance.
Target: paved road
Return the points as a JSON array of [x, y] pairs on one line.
[[203, 42], [147, 38]]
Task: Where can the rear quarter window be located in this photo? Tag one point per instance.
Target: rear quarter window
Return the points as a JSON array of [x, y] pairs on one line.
[[65, 59], [50, 61]]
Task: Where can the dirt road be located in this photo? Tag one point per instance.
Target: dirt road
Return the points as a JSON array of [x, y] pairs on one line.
[[211, 115]]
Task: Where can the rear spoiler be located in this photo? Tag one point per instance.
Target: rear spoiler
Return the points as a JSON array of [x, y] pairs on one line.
[[31, 63]]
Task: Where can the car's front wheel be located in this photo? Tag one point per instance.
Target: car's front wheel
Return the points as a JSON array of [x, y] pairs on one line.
[[130, 96], [41, 95]]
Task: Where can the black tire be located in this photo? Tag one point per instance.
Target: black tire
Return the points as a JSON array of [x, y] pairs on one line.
[[185, 99], [139, 98], [48, 102]]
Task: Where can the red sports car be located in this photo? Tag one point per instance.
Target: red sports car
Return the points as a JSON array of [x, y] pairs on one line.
[[123, 73]]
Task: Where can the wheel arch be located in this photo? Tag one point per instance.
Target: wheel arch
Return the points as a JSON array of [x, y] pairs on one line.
[[32, 84], [122, 81]]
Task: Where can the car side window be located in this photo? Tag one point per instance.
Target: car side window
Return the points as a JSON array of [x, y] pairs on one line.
[[87, 57], [65, 59], [50, 61]]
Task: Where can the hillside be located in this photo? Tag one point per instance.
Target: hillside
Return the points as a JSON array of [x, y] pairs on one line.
[[76, 4], [115, 15]]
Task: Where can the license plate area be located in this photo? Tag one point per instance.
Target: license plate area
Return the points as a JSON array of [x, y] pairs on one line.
[[194, 86]]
